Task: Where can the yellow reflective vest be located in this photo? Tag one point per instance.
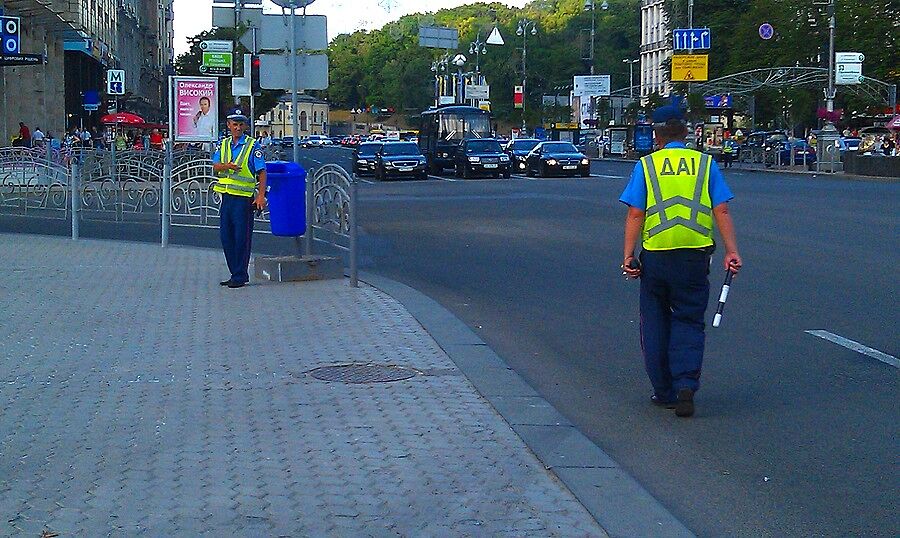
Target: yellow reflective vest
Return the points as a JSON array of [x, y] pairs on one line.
[[242, 182], [679, 209]]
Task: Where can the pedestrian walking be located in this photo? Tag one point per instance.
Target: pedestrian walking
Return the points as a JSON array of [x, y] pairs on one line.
[[24, 135], [239, 165], [37, 137], [674, 196]]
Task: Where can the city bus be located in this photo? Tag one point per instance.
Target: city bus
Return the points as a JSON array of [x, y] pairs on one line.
[[443, 128]]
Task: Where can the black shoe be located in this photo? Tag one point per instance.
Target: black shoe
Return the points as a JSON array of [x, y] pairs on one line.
[[685, 405], [659, 402], [225, 282], [234, 285]]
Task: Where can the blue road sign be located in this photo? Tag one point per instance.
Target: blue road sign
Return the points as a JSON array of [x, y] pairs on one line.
[[10, 29], [766, 31], [692, 38], [116, 88]]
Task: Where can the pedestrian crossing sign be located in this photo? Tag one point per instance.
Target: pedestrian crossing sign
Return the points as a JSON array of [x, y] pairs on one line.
[[690, 68]]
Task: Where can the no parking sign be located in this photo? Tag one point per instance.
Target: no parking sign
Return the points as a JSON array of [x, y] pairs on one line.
[[9, 35]]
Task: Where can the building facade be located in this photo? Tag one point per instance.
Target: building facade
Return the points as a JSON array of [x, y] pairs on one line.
[[312, 120], [655, 48], [82, 39]]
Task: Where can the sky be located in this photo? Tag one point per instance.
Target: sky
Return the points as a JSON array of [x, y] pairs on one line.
[[344, 16]]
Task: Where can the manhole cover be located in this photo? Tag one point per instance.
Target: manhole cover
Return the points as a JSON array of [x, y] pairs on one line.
[[363, 373]]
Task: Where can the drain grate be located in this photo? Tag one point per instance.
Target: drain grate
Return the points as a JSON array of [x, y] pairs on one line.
[[363, 373]]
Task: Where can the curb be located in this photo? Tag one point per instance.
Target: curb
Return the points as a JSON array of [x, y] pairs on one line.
[[619, 504]]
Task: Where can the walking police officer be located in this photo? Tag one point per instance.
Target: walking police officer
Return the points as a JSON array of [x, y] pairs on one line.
[[673, 198], [238, 163]]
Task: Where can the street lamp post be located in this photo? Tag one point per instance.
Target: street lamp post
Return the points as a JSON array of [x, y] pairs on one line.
[[459, 61], [630, 76], [525, 26]]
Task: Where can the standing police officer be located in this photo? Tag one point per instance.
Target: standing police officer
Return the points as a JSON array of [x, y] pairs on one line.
[[673, 197], [238, 163]]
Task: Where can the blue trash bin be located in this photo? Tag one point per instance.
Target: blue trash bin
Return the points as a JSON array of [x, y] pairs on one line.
[[286, 198]]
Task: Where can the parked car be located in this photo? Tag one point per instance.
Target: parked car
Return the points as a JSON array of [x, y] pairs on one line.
[[316, 141], [400, 160], [754, 146], [365, 157], [481, 156], [518, 149], [848, 144], [556, 158], [792, 152], [287, 142]]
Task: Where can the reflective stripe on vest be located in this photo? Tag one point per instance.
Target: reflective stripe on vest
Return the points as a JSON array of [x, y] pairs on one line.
[[679, 209], [242, 183]]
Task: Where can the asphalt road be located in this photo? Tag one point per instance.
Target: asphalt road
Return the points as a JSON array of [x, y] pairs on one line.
[[794, 435]]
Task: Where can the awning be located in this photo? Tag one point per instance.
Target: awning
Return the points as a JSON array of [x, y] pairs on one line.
[[894, 124], [126, 118]]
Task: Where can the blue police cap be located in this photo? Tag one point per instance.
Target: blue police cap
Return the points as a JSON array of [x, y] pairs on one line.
[[236, 114], [666, 113]]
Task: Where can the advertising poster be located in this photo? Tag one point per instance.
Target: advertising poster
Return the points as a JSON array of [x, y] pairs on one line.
[[196, 109]]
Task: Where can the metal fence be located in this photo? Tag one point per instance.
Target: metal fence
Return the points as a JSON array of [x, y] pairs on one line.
[[148, 186]]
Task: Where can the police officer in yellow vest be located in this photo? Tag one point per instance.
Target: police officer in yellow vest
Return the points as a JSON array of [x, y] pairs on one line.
[[674, 196], [238, 163]]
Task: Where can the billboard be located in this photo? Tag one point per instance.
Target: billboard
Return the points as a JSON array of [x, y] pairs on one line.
[[196, 111], [591, 86]]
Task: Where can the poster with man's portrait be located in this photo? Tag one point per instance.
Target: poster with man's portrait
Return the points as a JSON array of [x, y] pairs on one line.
[[196, 109]]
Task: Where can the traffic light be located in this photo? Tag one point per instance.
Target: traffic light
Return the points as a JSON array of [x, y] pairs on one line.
[[255, 87]]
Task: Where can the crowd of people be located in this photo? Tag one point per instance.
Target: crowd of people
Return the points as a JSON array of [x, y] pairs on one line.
[[93, 138]]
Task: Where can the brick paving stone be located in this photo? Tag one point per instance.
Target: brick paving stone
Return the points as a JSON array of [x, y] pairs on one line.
[[137, 396]]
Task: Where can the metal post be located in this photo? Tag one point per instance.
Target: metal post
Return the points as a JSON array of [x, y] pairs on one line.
[[74, 194], [166, 188], [354, 255], [294, 84], [831, 24], [310, 200], [593, 31], [252, 96], [524, 43], [630, 79]]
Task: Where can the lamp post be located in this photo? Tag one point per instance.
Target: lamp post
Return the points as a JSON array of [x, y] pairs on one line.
[[478, 47], [439, 68], [459, 61], [525, 26], [630, 76], [590, 6]]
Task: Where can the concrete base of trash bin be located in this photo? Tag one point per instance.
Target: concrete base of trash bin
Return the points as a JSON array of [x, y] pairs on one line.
[[297, 268]]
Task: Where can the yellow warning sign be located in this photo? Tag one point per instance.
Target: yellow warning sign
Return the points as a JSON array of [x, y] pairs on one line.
[[690, 67]]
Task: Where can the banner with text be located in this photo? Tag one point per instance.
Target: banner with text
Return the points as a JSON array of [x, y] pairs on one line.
[[196, 109]]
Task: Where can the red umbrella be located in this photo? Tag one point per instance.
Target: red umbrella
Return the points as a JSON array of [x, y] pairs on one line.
[[122, 117], [894, 124]]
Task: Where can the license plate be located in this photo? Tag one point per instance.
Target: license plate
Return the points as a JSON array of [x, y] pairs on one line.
[[490, 166], [572, 167], [406, 169]]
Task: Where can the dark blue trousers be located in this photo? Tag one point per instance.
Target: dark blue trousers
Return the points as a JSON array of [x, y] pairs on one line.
[[674, 295], [236, 232]]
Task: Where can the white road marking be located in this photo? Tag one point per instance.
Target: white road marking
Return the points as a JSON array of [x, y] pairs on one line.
[[608, 177], [857, 347], [365, 180], [442, 178]]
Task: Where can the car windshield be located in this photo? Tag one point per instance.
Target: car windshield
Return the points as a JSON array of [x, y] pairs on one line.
[[401, 149], [462, 126], [483, 146], [368, 150], [559, 147], [524, 145]]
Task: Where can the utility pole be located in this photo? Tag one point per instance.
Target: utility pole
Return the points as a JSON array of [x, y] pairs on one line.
[[525, 26]]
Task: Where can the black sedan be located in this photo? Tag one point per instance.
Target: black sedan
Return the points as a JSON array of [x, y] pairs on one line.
[[557, 159], [400, 160], [481, 156], [365, 158], [518, 149]]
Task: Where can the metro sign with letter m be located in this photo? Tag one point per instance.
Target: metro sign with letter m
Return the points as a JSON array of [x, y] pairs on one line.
[[115, 82]]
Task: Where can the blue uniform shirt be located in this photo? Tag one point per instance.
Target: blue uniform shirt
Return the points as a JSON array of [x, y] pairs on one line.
[[635, 194], [256, 163]]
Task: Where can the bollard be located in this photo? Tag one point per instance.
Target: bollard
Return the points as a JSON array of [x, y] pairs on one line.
[[354, 270], [75, 195]]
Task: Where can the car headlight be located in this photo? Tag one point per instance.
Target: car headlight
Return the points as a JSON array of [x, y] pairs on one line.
[[552, 162], [422, 160], [504, 158], [444, 155], [474, 159], [522, 166], [361, 161], [585, 161]]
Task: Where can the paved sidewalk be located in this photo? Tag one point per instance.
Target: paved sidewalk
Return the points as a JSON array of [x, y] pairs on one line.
[[139, 397]]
